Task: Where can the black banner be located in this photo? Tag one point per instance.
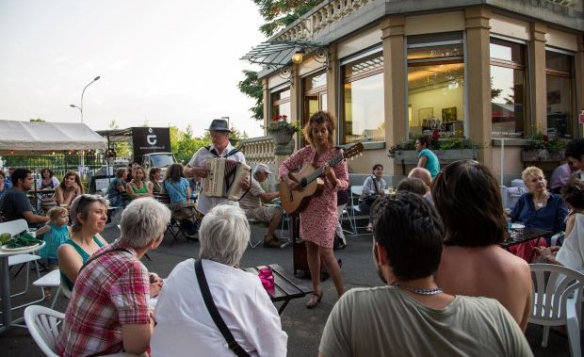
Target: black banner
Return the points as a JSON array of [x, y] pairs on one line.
[[146, 140]]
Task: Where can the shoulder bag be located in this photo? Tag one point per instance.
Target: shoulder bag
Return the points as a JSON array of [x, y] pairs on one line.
[[233, 345]]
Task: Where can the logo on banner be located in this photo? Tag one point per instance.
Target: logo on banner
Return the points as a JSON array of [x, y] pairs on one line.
[[151, 138]]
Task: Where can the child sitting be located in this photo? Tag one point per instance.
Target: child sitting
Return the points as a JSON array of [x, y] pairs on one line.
[[55, 233]]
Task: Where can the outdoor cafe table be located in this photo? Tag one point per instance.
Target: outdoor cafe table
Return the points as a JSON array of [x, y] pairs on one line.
[[5, 283], [526, 234], [285, 288]]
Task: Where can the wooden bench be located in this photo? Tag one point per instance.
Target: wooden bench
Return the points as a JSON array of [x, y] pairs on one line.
[[286, 287]]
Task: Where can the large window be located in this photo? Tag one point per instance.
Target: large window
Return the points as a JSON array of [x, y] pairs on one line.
[[363, 109], [508, 88], [436, 85], [281, 103], [315, 97], [560, 107]]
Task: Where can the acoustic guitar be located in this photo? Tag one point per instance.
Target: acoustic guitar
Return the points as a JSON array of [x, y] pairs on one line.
[[309, 182]]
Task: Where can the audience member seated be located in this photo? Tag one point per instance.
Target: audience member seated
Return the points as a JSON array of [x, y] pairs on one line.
[[538, 208], [560, 177], [373, 187], [468, 199], [424, 175], [251, 203], [575, 153], [16, 205], [138, 188], [184, 325], [117, 189], [109, 309], [572, 252], [154, 178], [412, 184], [88, 217], [47, 181], [412, 315], [179, 193], [4, 185], [69, 188]]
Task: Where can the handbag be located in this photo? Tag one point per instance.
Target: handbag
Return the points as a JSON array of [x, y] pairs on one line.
[[182, 210], [231, 343]]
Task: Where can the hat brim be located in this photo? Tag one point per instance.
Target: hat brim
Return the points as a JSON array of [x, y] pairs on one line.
[[219, 129]]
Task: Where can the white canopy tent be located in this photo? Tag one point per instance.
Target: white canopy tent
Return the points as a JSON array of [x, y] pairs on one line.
[[19, 136]]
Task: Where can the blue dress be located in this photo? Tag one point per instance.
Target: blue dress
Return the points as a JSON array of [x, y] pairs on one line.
[[53, 239]]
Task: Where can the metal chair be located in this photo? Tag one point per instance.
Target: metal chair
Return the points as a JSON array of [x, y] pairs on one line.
[[356, 192], [557, 293]]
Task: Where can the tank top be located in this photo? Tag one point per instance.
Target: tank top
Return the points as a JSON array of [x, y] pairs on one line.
[[142, 190], [84, 256]]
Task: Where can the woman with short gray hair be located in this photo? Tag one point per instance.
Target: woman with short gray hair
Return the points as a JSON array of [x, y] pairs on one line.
[[184, 325], [144, 224], [224, 235]]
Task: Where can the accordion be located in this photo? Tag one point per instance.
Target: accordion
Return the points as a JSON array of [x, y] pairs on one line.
[[224, 178]]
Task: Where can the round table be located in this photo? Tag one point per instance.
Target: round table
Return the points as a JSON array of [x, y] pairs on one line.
[[5, 281]]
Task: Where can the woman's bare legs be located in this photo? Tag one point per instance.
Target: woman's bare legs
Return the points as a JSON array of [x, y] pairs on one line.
[[332, 266], [312, 256]]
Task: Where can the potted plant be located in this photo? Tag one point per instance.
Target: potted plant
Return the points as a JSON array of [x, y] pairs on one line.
[[281, 130], [541, 147]]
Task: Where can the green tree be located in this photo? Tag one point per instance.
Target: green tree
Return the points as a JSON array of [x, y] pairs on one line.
[[38, 120], [253, 88], [281, 13], [122, 149]]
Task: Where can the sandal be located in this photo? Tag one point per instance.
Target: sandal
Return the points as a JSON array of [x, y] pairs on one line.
[[314, 300]]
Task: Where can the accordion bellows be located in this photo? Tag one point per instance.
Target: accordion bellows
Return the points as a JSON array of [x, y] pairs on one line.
[[224, 178]]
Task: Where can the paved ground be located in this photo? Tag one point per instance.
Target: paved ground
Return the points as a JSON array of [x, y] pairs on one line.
[[304, 327]]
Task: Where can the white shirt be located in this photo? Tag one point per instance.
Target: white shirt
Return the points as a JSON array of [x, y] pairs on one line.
[[204, 203], [185, 327]]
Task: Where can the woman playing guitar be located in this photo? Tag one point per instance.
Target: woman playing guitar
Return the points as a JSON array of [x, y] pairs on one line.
[[319, 219]]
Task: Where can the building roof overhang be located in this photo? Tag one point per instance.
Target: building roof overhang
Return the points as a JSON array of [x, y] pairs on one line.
[[278, 54]]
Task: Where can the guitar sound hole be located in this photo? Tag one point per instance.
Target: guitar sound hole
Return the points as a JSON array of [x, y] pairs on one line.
[[303, 183]]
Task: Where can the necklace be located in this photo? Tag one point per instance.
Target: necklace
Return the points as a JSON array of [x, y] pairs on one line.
[[415, 290]]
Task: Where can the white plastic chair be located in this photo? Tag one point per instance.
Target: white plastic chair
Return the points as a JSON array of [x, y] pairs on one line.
[[557, 292], [44, 326], [52, 280]]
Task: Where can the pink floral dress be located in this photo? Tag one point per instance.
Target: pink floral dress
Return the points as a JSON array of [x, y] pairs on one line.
[[319, 220]]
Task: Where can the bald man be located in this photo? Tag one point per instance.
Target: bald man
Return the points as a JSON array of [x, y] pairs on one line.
[[424, 175]]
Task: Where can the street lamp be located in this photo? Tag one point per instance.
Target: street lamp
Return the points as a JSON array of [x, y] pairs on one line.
[[80, 107]]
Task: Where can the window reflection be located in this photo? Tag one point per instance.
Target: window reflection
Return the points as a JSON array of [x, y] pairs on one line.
[[559, 94], [435, 87], [363, 107], [508, 86], [281, 103]]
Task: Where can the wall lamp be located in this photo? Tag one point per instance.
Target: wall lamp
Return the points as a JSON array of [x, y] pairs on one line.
[[298, 56]]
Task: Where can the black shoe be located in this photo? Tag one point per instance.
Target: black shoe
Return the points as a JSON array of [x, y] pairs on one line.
[[272, 243]]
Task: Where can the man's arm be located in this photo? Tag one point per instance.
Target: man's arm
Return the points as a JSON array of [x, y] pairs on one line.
[[268, 196], [33, 218]]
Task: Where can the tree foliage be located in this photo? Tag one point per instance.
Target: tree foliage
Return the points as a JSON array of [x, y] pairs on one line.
[[281, 13], [253, 88]]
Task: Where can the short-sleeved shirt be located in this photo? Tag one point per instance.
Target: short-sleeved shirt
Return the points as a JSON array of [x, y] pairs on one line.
[[204, 203], [432, 163], [252, 198], [385, 321], [177, 190], [111, 291], [14, 204]]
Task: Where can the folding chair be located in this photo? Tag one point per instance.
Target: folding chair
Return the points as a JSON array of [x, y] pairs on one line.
[[173, 226], [356, 192]]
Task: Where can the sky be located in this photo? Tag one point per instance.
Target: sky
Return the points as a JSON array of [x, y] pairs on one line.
[[173, 62]]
